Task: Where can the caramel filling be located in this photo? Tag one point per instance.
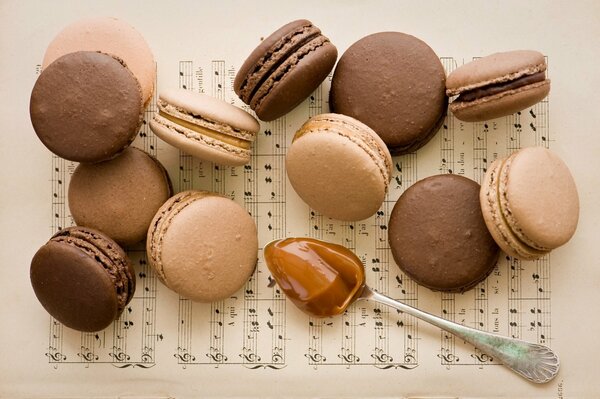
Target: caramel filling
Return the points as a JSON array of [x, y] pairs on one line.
[[320, 278], [234, 141]]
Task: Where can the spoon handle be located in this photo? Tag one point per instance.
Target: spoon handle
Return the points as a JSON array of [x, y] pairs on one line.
[[535, 362]]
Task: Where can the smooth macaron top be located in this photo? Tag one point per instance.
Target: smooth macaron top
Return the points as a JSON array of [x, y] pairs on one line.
[[112, 36], [339, 167], [86, 106], [202, 245], [395, 84], [82, 278], [108, 196], [539, 198], [284, 69], [438, 236], [495, 68]]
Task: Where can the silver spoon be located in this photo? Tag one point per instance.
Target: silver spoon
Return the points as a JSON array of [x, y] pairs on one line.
[[535, 362]]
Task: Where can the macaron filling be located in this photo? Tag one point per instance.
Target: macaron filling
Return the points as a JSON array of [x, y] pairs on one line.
[[213, 134], [499, 87]]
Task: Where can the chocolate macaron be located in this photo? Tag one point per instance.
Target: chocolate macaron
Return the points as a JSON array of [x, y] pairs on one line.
[[86, 106], [121, 196], [205, 127], [284, 69], [438, 236], [498, 85], [82, 278], [202, 245], [530, 202], [395, 84], [339, 167]]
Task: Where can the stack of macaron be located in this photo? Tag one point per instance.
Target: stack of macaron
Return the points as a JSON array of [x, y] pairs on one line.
[[87, 106], [389, 96]]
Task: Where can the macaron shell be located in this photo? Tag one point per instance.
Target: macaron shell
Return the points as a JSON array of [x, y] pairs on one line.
[[496, 222], [111, 36], [494, 68], [438, 236], [160, 221], [293, 82], [208, 247], [539, 198], [335, 176], [395, 84], [261, 53], [73, 287], [270, 53], [213, 109], [284, 69], [198, 145], [90, 121], [107, 196], [501, 104]]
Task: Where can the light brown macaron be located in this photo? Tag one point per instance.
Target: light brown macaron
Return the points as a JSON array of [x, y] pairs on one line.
[[339, 167], [121, 196], [530, 203], [112, 36], [202, 245], [498, 85], [205, 127]]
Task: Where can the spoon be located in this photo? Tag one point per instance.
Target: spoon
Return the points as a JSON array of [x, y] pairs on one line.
[[324, 279]]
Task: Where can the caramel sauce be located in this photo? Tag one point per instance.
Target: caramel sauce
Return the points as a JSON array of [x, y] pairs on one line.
[[320, 278]]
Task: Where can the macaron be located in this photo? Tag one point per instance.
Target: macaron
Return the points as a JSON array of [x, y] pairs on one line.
[[205, 127], [111, 36], [86, 106], [530, 202], [284, 69], [82, 278], [339, 167], [395, 84], [438, 236], [202, 245], [121, 196], [498, 85]]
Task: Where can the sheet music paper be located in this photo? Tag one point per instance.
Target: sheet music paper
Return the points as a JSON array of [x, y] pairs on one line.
[[256, 343]]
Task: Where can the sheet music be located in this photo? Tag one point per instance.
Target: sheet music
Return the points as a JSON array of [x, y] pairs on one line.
[[256, 343]]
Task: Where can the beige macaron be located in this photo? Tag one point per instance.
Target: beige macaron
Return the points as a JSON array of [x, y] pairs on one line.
[[530, 203], [202, 245], [205, 127], [111, 36], [339, 167], [498, 85]]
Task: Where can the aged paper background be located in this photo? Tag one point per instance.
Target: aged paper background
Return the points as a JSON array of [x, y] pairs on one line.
[[256, 344]]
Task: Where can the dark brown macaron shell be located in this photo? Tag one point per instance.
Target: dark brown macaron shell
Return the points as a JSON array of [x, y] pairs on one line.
[[438, 236], [86, 106], [395, 84], [120, 196], [284, 69], [82, 278]]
